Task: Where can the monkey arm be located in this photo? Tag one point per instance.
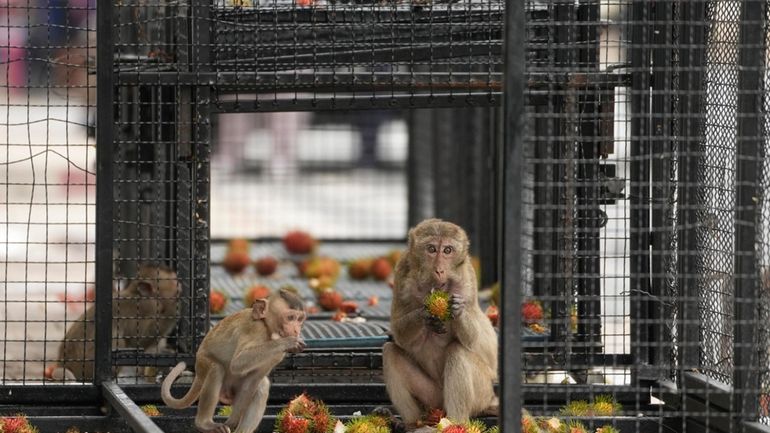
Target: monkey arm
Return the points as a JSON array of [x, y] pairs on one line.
[[408, 328], [258, 355], [474, 331]]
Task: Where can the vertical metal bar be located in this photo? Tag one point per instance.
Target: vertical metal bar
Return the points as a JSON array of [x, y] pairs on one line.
[[639, 194], [693, 39], [420, 166], [512, 184], [104, 193], [749, 150]]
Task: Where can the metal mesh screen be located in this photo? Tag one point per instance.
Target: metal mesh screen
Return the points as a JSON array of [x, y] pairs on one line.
[[47, 178], [644, 219]]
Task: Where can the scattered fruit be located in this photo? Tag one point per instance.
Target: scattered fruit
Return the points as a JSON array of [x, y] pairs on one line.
[[437, 305], [330, 300], [16, 424], [528, 423], [321, 283], [305, 415], [236, 261], [454, 428], [339, 316], [299, 242], [475, 426], [605, 405], [257, 291], [368, 424], [320, 266], [312, 309], [373, 300], [239, 245], [537, 328], [577, 427], [150, 410], [493, 314], [217, 301], [225, 411], [266, 266], [359, 269], [381, 269], [349, 307], [393, 257], [577, 408], [531, 312]]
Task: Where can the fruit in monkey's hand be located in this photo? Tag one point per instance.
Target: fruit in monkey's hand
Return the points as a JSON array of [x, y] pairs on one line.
[[299, 242], [266, 266], [217, 301], [330, 300], [531, 312], [493, 315], [239, 245], [257, 291], [236, 261], [437, 303], [381, 269], [359, 269], [320, 266]]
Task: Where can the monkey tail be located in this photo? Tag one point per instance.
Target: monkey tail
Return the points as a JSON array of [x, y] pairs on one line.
[[189, 398]]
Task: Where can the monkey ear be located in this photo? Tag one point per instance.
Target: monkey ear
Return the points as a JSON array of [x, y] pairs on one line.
[[258, 309], [145, 288]]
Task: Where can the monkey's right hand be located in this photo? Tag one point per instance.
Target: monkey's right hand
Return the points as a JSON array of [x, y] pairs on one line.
[[295, 344], [434, 324]]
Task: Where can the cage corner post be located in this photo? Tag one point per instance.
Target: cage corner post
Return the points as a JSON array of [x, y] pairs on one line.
[[510, 216], [750, 150], [104, 192]]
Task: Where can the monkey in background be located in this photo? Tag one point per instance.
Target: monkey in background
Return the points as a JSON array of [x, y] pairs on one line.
[[432, 364], [142, 314], [234, 359]]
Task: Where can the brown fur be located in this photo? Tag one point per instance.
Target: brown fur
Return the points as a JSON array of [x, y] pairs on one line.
[[451, 366], [143, 313], [234, 359]]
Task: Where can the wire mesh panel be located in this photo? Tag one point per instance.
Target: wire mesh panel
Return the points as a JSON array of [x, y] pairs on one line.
[[643, 218], [47, 105]]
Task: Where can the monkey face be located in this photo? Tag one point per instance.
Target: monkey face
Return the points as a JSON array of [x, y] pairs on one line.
[[291, 324], [441, 255]]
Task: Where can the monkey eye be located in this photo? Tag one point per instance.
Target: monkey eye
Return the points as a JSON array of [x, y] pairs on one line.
[[448, 250], [291, 317], [431, 249]]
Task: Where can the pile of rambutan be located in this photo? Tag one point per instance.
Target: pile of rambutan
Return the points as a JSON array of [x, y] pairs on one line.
[[16, 424], [602, 406], [305, 415]]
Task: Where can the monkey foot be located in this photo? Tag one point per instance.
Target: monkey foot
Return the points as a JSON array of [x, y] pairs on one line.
[[216, 428]]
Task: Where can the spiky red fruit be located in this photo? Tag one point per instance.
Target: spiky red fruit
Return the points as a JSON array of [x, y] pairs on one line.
[[454, 428], [433, 416], [381, 269], [217, 301], [255, 292], [294, 424], [531, 312], [359, 269], [349, 307], [301, 405], [266, 266], [322, 422], [236, 261], [299, 242], [330, 300]]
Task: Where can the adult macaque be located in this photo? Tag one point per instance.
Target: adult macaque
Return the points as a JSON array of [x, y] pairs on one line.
[[234, 359], [434, 364], [142, 314]]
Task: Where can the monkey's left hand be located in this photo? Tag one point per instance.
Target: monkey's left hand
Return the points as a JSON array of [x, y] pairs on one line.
[[458, 304]]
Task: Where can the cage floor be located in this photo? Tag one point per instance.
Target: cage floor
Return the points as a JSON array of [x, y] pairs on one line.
[[319, 330]]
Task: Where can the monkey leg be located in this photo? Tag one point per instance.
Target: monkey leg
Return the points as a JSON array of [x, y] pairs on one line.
[[209, 397], [408, 386], [468, 388], [254, 412]]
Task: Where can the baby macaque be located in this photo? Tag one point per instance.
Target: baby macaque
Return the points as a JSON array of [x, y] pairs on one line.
[[234, 359], [142, 314], [433, 363]]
